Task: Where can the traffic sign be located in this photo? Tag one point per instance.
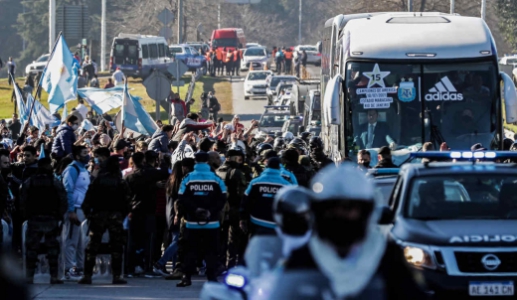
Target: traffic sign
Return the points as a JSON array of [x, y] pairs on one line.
[[157, 86], [177, 69], [166, 16], [166, 32], [179, 83]]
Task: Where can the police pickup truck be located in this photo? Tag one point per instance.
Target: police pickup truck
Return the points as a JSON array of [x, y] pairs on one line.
[[457, 222]]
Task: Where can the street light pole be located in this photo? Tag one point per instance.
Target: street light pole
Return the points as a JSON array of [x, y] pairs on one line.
[[180, 21], [219, 16], [483, 9], [410, 5], [51, 24], [300, 24], [452, 6], [103, 36]]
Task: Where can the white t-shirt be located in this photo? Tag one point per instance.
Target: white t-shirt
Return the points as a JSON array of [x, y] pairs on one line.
[[82, 109]]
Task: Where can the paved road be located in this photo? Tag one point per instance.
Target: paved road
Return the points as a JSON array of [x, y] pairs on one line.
[[148, 289]]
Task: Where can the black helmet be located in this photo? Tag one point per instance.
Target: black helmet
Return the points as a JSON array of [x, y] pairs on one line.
[[278, 144], [263, 146], [298, 144], [292, 210], [237, 151], [278, 134], [315, 143], [305, 136]]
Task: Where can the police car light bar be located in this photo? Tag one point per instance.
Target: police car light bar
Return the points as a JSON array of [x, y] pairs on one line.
[[465, 154], [386, 171], [277, 106]]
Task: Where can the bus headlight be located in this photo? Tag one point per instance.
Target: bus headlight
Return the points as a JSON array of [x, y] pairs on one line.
[[419, 257]]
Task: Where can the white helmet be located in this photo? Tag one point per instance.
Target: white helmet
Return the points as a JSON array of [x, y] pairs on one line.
[[344, 182], [288, 136]]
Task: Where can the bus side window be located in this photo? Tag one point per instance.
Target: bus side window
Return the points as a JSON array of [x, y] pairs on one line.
[[153, 49], [145, 52], [161, 51]]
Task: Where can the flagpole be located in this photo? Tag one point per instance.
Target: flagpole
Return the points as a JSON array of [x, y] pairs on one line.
[[38, 90]]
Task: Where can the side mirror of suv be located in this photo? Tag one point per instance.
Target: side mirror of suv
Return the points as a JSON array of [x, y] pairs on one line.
[[386, 216]]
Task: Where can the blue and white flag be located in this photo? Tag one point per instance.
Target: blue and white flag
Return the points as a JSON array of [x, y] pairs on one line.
[[86, 125], [60, 76], [64, 114], [134, 116], [23, 112], [103, 100], [42, 151], [40, 115]]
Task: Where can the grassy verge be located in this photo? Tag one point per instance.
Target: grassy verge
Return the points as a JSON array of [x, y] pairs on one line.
[[221, 87]]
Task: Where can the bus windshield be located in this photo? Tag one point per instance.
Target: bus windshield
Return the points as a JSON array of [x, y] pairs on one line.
[[228, 42], [458, 102]]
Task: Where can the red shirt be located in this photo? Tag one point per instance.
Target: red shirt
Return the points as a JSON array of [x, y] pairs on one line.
[[109, 85]]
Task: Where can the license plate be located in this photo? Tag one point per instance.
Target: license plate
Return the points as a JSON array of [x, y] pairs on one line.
[[259, 90], [256, 65], [504, 288]]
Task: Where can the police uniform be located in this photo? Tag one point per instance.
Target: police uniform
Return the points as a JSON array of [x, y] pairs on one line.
[[257, 203], [105, 206], [202, 190], [235, 181], [43, 214]]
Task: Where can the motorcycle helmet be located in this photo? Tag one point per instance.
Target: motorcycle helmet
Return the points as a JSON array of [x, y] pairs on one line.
[[305, 136], [278, 134], [278, 144], [288, 137], [334, 200], [298, 144], [315, 143], [292, 210], [507, 144], [262, 147]]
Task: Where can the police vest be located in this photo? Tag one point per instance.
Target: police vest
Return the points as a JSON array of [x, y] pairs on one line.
[[42, 197], [288, 55]]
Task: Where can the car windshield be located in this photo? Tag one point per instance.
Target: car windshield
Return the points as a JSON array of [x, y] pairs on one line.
[[463, 196], [255, 52], [276, 80], [175, 50], [511, 61], [43, 58], [228, 42], [273, 120], [385, 104], [384, 189], [258, 76]]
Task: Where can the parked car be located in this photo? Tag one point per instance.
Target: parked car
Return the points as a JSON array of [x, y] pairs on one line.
[[38, 65], [190, 56], [313, 56]]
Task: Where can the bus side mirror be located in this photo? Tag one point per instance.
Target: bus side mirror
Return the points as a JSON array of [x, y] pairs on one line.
[[331, 105], [319, 46], [510, 98]]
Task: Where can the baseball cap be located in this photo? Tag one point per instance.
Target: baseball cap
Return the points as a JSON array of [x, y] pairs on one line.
[[385, 151], [201, 157], [477, 147], [205, 144]]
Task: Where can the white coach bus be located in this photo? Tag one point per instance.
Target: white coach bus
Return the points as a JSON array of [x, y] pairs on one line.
[[403, 79]]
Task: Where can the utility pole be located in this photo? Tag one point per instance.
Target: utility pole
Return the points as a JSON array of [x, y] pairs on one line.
[[300, 24], [180, 21], [452, 6], [103, 36], [51, 24], [410, 5], [483, 9], [219, 16]]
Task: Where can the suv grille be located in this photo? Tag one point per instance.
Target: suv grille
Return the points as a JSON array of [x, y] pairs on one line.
[[260, 86], [472, 262]]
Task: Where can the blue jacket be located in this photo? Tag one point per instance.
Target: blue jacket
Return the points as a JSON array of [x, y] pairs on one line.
[[288, 175], [64, 140], [70, 176], [257, 203], [202, 188], [159, 142]]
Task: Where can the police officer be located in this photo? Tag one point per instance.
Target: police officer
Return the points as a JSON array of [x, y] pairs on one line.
[[349, 256], [290, 161], [318, 159], [105, 206], [279, 144], [299, 145], [293, 217], [288, 175], [305, 136], [236, 184], [257, 203], [202, 196], [43, 214]]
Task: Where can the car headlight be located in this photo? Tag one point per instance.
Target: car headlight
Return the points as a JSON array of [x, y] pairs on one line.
[[419, 257]]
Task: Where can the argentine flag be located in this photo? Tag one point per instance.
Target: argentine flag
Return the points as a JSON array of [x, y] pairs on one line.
[[103, 100], [40, 115], [23, 112], [60, 76], [134, 116]]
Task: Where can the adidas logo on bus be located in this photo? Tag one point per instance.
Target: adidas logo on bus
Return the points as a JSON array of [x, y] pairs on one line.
[[444, 91]]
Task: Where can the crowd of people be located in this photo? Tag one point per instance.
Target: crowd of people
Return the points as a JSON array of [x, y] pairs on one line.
[[148, 192]]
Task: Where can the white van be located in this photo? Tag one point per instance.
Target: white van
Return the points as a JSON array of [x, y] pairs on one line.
[[137, 54]]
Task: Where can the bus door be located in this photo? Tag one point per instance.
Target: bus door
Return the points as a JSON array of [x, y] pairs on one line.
[[125, 54]]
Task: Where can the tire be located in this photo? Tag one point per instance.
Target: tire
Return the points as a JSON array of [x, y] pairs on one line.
[[246, 98]]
